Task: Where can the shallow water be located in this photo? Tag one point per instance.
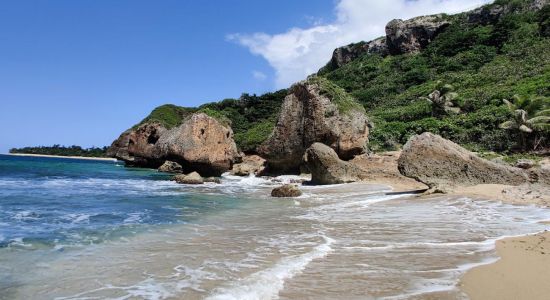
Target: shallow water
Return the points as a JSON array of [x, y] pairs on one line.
[[94, 230]]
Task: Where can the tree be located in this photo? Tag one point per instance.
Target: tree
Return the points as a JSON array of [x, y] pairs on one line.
[[522, 108], [442, 100]]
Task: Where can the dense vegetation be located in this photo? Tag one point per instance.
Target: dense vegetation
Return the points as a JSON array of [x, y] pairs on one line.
[[484, 64], [455, 87], [63, 151]]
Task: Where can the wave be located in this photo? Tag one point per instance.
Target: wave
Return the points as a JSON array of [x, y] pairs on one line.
[[267, 283]]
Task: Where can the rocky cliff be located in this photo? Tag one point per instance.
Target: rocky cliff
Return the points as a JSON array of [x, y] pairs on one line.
[[413, 35]]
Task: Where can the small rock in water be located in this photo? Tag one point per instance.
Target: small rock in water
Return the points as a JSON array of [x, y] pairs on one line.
[[191, 178], [212, 179], [170, 167], [287, 190]]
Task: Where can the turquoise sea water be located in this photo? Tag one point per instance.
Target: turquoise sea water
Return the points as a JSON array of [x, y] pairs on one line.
[[46, 202], [78, 229]]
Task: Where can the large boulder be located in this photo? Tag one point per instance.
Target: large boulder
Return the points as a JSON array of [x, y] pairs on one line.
[[315, 110], [251, 164], [413, 35], [327, 168], [201, 143], [442, 164]]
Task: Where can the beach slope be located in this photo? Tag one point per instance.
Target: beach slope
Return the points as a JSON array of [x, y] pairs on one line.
[[523, 271]]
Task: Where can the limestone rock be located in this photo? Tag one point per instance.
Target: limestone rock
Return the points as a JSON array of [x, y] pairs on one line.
[[327, 168], [170, 167], [200, 144], [440, 163], [308, 116], [251, 164], [413, 35], [119, 147], [191, 178], [287, 190]]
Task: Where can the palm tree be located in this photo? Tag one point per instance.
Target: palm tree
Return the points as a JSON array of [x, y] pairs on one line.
[[523, 107], [442, 100]]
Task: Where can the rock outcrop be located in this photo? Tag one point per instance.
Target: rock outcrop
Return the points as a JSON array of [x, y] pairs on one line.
[[170, 167], [287, 190], [200, 144], [327, 168], [346, 54], [413, 35], [191, 178], [442, 164], [491, 14], [309, 115], [251, 164]]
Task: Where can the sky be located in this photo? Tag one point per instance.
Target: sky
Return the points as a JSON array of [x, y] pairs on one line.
[[81, 72]]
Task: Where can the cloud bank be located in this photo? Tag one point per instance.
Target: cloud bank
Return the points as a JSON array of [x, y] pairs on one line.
[[299, 52]]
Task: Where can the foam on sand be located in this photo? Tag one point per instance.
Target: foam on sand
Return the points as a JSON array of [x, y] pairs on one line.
[[267, 283]]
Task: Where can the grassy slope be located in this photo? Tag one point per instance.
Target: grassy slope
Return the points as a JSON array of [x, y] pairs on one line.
[[485, 64]]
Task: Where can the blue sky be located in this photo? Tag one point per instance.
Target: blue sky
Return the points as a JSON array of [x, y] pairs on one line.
[[81, 72]]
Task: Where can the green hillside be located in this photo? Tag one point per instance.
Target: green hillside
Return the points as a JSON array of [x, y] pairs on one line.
[[475, 66]]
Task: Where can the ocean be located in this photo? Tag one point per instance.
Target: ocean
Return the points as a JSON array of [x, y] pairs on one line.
[[76, 229]]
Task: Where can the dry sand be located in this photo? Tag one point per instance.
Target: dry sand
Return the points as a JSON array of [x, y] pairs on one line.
[[523, 272], [61, 156]]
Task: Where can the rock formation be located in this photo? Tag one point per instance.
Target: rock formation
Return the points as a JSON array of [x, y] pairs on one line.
[[287, 190], [251, 164], [440, 164], [413, 35], [191, 178], [346, 54], [200, 144], [307, 116], [170, 167], [327, 168]]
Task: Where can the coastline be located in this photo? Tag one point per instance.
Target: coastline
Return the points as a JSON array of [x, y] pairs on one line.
[[61, 156], [522, 272]]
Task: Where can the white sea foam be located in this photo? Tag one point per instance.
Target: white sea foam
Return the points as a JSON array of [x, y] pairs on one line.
[[77, 218], [26, 215], [267, 283]]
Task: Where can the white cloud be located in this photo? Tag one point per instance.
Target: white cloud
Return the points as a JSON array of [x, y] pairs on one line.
[[258, 75], [299, 52]]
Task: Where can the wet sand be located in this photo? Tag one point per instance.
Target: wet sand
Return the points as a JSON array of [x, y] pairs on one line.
[[523, 271], [519, 195]]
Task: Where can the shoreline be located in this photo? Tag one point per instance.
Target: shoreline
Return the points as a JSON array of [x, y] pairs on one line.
[[61, 156], [521, 272]]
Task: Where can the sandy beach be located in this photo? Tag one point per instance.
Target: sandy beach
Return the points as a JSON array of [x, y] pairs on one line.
[[60, 156], [522, 272]]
